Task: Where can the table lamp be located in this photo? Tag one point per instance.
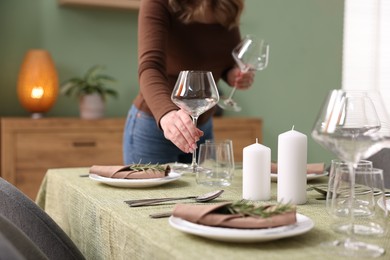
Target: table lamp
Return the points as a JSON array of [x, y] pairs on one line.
[[37, 82]]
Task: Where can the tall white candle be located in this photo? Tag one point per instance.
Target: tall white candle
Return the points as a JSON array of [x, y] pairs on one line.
[[256, 172], [292, 161]]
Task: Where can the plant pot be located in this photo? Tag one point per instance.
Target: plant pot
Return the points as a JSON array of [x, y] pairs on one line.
[[92, 106]]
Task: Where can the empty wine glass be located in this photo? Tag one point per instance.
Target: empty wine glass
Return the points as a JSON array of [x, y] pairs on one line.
[[347, 125], [195, 92], [250, 54]]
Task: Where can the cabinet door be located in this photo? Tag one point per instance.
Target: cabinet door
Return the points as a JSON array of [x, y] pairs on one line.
[[30, 148]]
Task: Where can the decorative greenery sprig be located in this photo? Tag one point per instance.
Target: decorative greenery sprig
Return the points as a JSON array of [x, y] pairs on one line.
[[263, 211], [149, 166]]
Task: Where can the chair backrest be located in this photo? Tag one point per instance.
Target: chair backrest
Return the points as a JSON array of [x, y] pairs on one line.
[[36, 224], [8, 251], [14, 244], [381, 160]]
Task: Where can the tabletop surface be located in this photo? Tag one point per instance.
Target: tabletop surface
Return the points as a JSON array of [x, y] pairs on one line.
[[96, 218]]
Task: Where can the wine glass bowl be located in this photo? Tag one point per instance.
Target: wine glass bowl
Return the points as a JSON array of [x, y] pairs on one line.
[[195, 92], [251, 54], [346, 124]]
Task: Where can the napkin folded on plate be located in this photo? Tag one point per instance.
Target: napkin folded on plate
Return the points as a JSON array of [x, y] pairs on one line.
[[311, 168], [132, 171], [215, 215]]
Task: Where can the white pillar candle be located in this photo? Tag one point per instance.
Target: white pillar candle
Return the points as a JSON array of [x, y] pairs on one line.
[[256, 172], [292, 161]]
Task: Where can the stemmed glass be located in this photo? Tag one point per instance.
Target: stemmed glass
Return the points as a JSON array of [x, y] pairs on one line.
[[195, 92], [250, 54], [349, 126]]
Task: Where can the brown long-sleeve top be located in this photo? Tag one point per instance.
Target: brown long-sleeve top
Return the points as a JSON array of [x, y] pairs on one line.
[[166, 46]]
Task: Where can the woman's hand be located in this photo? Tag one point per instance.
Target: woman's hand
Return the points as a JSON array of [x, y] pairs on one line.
[[239, 79], [179, 128]]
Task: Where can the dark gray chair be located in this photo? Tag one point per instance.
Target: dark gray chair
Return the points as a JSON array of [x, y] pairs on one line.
[[8, 251], [381, 160], [14, 244], [36, 224]]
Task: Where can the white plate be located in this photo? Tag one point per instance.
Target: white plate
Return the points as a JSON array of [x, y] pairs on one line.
[[135, 183], [310, 176], [303, 225], [381, 204]]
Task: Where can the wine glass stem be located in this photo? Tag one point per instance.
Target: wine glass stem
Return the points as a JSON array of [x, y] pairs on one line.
[[194, 164], [246, 69], [351, 169], [232, 93]]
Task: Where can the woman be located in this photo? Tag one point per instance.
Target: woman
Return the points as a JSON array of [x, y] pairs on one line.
[[176, 35]]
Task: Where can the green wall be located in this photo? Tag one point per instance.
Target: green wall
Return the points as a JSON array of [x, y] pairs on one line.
[[305, 57]]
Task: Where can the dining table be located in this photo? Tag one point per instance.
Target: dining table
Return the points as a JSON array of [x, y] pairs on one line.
[[96, 217]]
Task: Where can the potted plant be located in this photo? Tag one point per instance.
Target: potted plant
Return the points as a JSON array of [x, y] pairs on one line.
[[92, 91]]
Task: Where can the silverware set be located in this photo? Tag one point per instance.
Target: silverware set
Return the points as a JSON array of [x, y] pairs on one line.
[[321, 189], [157, 201]]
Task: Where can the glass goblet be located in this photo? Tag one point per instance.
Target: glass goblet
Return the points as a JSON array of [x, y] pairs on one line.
[[347, 125], [250, 54], [195, 92]]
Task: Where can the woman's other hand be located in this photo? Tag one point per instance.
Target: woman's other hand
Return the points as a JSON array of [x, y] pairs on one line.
[[180, 130], [239, 79]]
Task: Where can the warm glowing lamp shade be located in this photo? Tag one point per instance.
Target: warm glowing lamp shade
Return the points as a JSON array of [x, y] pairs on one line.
[[37, 82]]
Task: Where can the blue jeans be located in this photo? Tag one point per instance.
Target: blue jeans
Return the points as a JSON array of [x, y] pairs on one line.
[[144, 142]]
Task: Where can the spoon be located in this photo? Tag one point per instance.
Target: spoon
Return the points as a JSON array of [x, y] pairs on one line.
[[201, 198]]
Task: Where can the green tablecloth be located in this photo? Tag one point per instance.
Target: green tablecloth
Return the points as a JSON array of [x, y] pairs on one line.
[[96, 218]]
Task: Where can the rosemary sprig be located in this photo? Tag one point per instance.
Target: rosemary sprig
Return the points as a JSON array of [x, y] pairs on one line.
[[263, 211], [149, 166]]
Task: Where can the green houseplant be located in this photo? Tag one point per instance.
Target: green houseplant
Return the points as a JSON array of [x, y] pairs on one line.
[[92, 90]]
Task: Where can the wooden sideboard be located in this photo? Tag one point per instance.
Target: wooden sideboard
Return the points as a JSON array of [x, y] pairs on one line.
[[116, 4], [31, 146], [242, 131]]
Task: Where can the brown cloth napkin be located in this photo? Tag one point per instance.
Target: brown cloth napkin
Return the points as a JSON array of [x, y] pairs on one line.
[[207, 215], [317, 168], [125, 172]]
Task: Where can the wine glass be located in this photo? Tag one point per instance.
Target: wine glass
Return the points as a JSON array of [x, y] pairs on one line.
[[250, 54], [195, 92], [348, 125]]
